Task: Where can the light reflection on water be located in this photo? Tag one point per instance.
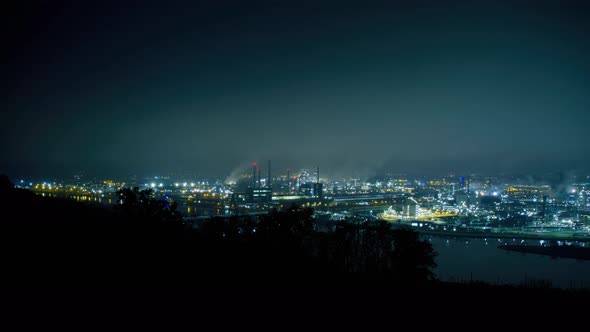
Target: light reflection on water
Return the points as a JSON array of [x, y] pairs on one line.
[[195, 209], [460, 259]]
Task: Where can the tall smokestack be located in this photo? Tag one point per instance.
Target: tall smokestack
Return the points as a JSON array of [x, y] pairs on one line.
[[259, 182], [268, 182], [318, 179], [468, 202], [254, 175]]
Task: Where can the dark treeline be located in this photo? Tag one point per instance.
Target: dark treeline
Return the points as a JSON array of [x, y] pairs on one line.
[[284, 245], [143, 241]]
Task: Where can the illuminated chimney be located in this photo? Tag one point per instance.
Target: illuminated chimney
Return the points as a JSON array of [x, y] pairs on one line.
[[268, 182], [254, 175], [318, 179]]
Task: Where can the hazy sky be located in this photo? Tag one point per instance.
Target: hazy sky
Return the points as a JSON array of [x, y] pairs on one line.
[[115, 88]]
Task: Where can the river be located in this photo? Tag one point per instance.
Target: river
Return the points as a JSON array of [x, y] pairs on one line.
[[465, 259]]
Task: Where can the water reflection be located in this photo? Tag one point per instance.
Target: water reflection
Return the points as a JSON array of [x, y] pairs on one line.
[[480, 259]]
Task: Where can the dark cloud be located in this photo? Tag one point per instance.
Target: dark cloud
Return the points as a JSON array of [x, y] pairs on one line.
[[354, 87]]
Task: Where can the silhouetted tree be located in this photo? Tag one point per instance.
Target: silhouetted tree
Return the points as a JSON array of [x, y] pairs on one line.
[[293, 223], [140, 204], [377, 250], [5, 183], [412, 258]]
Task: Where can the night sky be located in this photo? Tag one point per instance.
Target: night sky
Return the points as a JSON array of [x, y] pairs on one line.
[[354, 87]]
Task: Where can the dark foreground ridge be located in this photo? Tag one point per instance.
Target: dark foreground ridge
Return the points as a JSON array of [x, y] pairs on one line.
[[142, 241]]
